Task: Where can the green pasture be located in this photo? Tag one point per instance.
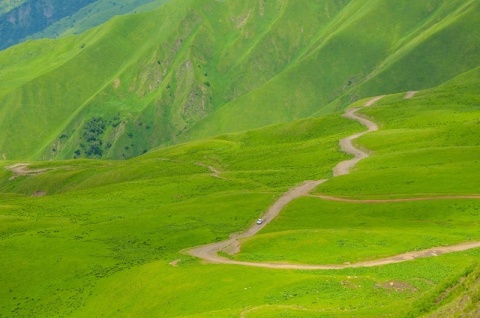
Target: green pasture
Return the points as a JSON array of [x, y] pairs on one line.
[[104, 217], [56, 248], [272, 158], [88, 238], [426, 146], [101, 240], [195, 290], [277, 156]]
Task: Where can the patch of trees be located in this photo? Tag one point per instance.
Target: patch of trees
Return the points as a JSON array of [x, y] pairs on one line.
[[96, 137], [92, 133]]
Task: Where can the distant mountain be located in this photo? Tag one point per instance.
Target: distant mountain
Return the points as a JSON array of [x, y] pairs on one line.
[[33, 16], [23, 19], [95, 14], [197, 68]]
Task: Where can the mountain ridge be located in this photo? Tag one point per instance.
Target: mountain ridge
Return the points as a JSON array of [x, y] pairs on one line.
[[198, 75]]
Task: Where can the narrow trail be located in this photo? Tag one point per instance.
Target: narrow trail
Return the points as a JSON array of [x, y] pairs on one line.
[[214, 172], [22, 169], [431, 252], [370, 201], [410, 94], [232, 245], [344, 167], [372, 101], [209, 252]]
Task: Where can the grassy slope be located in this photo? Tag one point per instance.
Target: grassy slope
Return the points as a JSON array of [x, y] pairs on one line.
[[244, 158], [163, 200], [358, 53], [101, 241], [200, 76], [426, 146], [318, 232], [460, 298], [64, 98]]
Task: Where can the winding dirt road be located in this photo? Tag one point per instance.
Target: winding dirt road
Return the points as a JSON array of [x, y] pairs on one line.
[[212, 257], [232, 245], [344, 167], [209, 252]]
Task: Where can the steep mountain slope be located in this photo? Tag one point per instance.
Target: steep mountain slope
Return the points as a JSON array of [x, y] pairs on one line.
[[197, 68]]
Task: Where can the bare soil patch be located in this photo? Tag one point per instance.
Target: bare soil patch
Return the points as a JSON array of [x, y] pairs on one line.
[[410, 94], [213, 170], [397, 286], [174, 263], [22, 169]]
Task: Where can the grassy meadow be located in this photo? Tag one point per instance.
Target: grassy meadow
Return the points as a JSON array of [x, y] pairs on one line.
[[105, 238], [427, 146], [102, 218], [216, 116]]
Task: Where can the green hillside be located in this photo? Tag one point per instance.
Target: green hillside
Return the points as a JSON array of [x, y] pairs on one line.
[[85, 238], [218, 108], [196, 68], [427, 147]]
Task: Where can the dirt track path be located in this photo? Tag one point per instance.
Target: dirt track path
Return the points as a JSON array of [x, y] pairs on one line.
[[410, 94], [214, 172], [209, 252], [21, 169], [370, 201], [232, 246], [346, 144], [212, 257]]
